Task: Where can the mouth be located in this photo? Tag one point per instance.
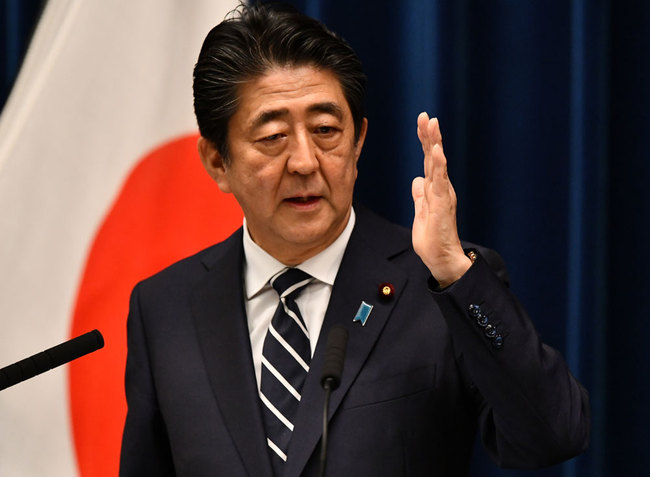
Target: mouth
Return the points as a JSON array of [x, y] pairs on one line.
[[303, 200]]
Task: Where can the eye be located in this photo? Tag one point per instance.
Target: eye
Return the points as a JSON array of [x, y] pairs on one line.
[[326, 131], [272, 137], [272, 144]]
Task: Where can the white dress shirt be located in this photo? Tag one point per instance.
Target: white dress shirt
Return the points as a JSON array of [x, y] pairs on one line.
[[262, 299]]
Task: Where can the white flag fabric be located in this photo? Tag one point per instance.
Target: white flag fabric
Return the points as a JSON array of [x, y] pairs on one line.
[[100, 186]]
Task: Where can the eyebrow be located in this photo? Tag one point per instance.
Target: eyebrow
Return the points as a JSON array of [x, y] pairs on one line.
[[326, 107], [268, 116]]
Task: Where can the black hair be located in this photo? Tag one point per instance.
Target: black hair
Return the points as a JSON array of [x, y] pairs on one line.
[[252, 40]]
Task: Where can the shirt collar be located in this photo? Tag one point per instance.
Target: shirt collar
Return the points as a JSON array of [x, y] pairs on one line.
[[260, 266]]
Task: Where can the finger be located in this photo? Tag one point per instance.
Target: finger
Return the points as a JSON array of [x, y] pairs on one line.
[[452, 195], [425, 138], [422, 122], [436, 164], [430, 136], [437, 186], [433, 131]]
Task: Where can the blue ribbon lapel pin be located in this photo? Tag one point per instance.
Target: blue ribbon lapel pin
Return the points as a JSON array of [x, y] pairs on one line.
[[363, 313]]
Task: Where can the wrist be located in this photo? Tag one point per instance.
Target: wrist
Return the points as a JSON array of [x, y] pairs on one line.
[[453, 270]]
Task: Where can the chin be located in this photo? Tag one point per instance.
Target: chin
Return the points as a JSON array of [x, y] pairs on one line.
[[307, 236]]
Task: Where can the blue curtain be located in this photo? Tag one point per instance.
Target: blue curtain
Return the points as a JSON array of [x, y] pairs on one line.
[[545, 112]]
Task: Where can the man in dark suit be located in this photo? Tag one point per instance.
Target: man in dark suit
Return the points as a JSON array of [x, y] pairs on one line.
[[438, 346]]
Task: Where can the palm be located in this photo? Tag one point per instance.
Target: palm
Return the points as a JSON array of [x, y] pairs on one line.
[[435, 235]]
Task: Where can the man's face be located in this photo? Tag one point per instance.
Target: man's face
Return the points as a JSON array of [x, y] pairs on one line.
[[293, 160]]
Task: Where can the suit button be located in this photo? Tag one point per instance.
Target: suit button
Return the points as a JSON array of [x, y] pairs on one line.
[[490, 331], [482, 320], [474, 310], [497, 341]]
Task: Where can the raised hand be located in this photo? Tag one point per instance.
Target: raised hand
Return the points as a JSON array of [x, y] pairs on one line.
[[435, 234]]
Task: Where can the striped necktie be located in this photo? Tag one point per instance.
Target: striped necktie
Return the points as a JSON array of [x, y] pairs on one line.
[[285, 362]]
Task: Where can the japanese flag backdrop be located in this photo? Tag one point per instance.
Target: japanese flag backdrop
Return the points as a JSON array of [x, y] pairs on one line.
[[100, 186]]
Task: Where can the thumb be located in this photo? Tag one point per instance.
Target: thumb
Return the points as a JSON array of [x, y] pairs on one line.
[[417, 188], [417, 191]]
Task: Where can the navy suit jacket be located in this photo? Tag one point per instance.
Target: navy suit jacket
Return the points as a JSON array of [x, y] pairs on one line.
[[419, 379]]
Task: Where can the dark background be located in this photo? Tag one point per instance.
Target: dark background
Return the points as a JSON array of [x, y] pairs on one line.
[[545, 112]]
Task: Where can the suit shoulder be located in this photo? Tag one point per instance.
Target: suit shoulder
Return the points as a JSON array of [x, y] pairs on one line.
[[385, 235], [189, 270]]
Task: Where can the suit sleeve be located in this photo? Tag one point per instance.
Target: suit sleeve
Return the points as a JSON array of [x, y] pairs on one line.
[[145, 446], [532, 411]]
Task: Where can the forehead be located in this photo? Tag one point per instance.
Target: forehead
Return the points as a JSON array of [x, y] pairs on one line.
[[290, 89]]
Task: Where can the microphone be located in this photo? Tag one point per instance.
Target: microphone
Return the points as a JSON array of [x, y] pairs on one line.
[[50, 358], [337, 341]]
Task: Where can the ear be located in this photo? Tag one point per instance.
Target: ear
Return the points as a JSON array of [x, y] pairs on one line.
[[213, 163], [362, 137]]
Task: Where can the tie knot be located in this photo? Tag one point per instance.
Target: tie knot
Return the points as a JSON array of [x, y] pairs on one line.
[[291, 281]]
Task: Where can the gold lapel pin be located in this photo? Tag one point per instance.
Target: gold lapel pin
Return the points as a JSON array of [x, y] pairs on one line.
[[386, 290]]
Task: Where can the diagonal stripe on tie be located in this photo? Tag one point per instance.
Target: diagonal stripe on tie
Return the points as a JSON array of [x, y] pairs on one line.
[[278, 375], [289, 348], [286, 355]]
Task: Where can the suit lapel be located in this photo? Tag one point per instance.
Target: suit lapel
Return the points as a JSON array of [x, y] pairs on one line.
[[220, 318], [363, 269]]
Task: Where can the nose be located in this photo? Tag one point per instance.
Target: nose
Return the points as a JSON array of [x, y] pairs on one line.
[[302, 159]]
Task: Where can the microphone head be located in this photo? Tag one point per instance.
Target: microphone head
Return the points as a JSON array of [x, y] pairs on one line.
[[50, 358], [337, 341]]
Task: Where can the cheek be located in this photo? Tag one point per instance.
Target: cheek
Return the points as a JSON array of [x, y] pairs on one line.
[[341, 176], [345, 167], [255, 185]]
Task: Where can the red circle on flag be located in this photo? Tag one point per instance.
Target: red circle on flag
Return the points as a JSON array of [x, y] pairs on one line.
[[168, 208]]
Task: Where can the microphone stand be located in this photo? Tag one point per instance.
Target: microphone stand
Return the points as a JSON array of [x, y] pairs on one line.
[[337, 341], [327, 386]]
